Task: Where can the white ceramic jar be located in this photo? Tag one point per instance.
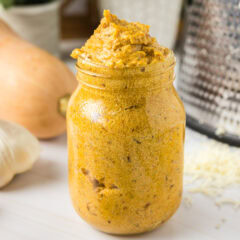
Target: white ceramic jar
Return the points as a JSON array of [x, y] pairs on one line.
[[38, 24]]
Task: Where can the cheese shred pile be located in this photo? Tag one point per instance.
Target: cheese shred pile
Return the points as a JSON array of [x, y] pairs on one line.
[[214, 170]]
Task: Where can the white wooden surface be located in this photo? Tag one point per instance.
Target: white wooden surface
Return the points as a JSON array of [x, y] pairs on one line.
[[36, 206]]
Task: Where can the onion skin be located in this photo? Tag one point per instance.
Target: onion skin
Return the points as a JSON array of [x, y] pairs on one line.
[[31, 83]]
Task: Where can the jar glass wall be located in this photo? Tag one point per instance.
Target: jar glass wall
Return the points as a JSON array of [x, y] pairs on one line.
[[125, 142]]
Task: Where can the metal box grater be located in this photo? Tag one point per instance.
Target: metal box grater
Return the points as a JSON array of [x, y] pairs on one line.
[[209, 78]]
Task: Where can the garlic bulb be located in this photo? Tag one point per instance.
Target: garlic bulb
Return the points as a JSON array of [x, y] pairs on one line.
[[19, 149]]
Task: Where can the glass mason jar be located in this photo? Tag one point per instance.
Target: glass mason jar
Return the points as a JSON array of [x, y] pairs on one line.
[[126, 132]]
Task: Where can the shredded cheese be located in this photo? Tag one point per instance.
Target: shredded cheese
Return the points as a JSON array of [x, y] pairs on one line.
[[212, 170]]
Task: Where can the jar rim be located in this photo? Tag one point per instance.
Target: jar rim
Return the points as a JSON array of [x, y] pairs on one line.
[[107, 78], [87, 66]]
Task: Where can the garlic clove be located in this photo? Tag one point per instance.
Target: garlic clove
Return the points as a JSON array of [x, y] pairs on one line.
[[19, 149], [6, 173]]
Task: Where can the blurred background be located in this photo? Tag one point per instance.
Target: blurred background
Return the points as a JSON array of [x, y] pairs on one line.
[[73, 21]]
